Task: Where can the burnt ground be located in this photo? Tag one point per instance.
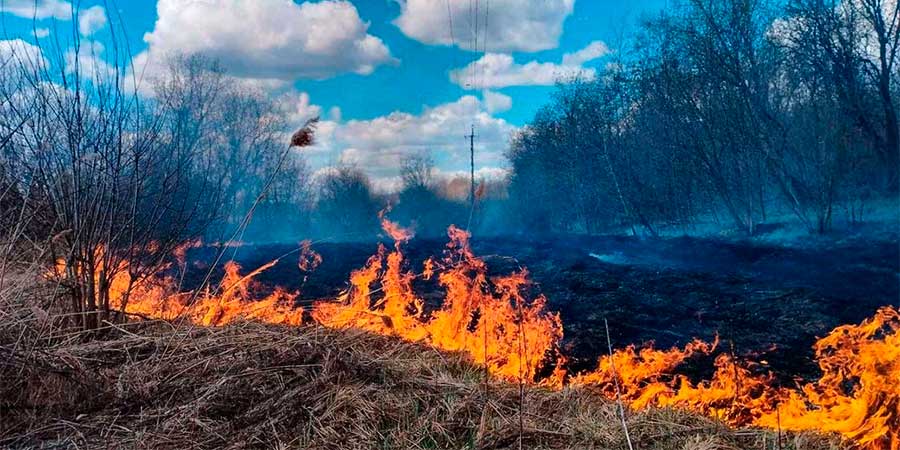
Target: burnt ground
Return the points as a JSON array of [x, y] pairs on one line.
[[765, 301]]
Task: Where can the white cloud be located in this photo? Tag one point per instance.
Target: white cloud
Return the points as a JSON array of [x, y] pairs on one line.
[[271, 39], [496, 102], [496, 70], [335, 114], [792, 31], [41, 33], [18, 51], [91, 20], [512, 25], [483, 173], [38, 9], [387, 185], [594, 50], [379, 145], [89, 62], [296, 109]]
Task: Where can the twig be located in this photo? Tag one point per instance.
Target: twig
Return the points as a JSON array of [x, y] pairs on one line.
[[612, 366], [778, 419]]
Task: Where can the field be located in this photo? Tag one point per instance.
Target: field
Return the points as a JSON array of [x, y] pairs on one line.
[[154, 385], [770, 301], [449, 224], [161, 384]]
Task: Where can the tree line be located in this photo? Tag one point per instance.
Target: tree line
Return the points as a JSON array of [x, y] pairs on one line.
[[726, 110]]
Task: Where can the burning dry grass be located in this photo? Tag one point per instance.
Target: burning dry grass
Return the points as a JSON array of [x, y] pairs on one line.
[[512, 336], [248, 385]]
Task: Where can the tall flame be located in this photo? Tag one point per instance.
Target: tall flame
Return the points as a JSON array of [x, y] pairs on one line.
[[490, 319], [858, 394]]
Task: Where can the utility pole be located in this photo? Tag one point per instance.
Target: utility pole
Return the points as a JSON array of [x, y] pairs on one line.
[[471, 137]]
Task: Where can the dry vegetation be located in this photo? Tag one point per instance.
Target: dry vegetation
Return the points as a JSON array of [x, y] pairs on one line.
[[247, 385]]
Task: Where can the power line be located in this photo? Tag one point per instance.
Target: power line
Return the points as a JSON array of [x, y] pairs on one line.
[[475, 16], [484, 39], [471, 137], [473, 22], [475, 83], [450, 21]]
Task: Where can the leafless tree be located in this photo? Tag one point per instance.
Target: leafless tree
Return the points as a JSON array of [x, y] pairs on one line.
[[417, 171], [346, 208], [745, 105], [119, 178]]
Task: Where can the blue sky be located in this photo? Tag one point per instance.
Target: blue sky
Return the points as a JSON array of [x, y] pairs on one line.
[[384, 74]]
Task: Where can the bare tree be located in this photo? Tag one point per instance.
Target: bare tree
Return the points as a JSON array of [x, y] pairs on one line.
[[743, 105], [124, 179], [882, 23], [346, 207], [416, 171]]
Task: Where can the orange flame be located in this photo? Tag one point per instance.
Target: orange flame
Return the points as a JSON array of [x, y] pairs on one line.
[[158, 298], [309, 259], [857, 396], [488, 319], [234, 300]]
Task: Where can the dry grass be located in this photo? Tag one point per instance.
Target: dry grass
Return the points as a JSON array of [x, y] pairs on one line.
[[160, 385]]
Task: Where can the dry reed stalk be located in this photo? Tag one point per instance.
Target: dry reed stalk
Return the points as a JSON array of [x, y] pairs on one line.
[[615, 377]]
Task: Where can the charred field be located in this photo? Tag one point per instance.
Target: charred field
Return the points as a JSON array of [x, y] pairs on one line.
[[764, 301]]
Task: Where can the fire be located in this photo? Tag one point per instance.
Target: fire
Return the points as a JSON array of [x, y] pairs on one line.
[[309, 259], [490, 319], [639, 373], [857, 396], [512, 334], [180, 252], [159, 298], [233, 300]]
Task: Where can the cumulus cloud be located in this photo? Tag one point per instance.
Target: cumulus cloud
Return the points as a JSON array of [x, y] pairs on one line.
[[89, 62], [18, 51], [379, 145], [41, 32], [496, 102], [91, 20], [511, 25], [792, 31], [497, 70], [296, 109], [274, 39], [594, 50], [38, 9]]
